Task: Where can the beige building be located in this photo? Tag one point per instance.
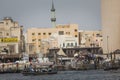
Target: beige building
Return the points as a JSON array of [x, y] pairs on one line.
[[90, 38], [110, 25], [35, 35], [11, 36]]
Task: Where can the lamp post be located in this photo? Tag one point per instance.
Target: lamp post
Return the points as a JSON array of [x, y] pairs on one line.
[[107, 44]]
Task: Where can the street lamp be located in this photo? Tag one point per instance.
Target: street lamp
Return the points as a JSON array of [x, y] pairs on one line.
[[108, 44]]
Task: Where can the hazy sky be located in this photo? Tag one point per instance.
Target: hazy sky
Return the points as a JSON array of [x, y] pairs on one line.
[[36, 13]]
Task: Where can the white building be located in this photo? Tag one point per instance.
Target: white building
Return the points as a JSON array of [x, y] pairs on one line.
[[63, 41]]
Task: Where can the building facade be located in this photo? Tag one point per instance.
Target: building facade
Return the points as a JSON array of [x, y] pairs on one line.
[[90, 38], [63, 41], [11, 36], [35, 35], [110, 12]]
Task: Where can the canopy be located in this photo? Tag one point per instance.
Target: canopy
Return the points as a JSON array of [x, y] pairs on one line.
[[61, 53], [76, 55]]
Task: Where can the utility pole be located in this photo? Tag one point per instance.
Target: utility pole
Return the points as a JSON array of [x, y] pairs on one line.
[[108, 46]]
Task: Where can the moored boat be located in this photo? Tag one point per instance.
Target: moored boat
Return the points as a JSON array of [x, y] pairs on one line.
[[39, 71], [111, 65], [10, 71]]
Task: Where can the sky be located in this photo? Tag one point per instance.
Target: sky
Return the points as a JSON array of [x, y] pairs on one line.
[[36, 13]]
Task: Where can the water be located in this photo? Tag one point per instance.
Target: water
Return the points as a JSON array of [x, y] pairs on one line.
[[67, 75]]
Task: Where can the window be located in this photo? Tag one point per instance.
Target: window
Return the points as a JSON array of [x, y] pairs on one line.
[[63, 45], [75, 35], [91, 44], [39, 39], [44, 33], [6, 23], [33, 33], [75, 30], [97, 35], [0, 33], [68, 44], [71, 44], [89, 40], [75, 44], [49, 33], [39, 33], [68, 33], [86, 34], [1, 22], [61, 32], [7, 34], [33, 39], [97, 45]]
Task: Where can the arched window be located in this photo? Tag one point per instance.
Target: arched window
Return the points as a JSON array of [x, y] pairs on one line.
[[63, 44], [75, 44], [71, 44]]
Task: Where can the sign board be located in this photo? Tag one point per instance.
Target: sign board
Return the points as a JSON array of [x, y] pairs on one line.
[[5, 40]]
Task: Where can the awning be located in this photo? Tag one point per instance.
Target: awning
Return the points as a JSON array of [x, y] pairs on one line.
[[10, 56], [65, 58], [33, 55], [61, 53]]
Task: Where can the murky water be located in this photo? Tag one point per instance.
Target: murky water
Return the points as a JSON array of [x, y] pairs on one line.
[[67, 75]]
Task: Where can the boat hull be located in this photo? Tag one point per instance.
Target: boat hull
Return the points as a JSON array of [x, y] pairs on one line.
[[38, 73]]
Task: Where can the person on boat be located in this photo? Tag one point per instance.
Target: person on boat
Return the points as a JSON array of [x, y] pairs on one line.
[[35, 68], [17, 65], [25, 68], [50, 68], [3, 65]]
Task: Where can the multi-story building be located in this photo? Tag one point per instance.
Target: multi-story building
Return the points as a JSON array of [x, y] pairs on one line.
[[35, 35], [90, 38], [11, 36], [110, 12]]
